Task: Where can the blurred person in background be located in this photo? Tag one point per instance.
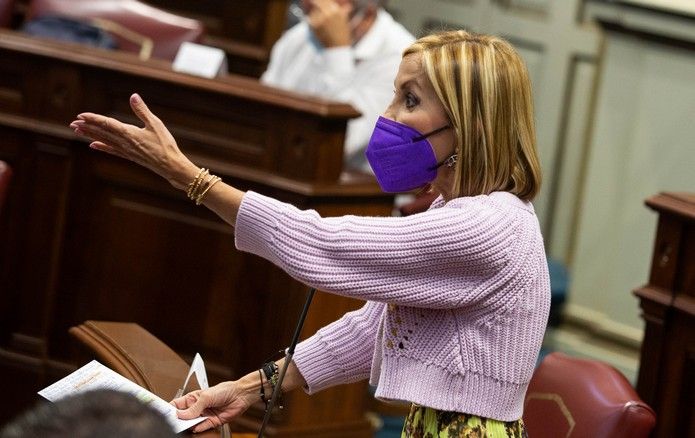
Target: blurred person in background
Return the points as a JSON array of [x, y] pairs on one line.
[[343, 50]]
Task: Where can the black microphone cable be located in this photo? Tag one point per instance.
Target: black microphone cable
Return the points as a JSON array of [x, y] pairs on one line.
[[288, 359]]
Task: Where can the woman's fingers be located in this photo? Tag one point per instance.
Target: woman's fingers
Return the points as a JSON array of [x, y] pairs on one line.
[[194, 405], [142, 111], [186, 407], [151, 146], [180, 402], [103, 147], [98, 124], [204, 425], [103, 122], [186, 400], [113, 139]]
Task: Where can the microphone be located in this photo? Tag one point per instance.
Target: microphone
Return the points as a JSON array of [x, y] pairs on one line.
[[288, 359]]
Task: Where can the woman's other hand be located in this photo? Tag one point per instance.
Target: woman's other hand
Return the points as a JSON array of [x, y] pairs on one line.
[[220, 403], [151, 146]]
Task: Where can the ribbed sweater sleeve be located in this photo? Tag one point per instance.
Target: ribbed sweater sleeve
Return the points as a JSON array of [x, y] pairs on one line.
[[342, 351], [436, 259]]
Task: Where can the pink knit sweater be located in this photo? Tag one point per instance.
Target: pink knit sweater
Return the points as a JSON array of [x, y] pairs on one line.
[[458, 297]]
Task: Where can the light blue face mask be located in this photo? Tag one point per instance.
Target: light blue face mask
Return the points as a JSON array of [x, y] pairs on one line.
[[314, 41]]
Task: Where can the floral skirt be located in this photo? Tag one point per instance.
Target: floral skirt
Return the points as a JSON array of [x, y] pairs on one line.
[[424, 422]]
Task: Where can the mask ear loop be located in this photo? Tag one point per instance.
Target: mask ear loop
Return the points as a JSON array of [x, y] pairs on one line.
[[449, 161], [429, 134]]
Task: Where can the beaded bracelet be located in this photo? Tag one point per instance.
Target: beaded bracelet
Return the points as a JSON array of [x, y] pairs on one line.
[[272, 373], [201, 185], [208, 185], [196, 182]]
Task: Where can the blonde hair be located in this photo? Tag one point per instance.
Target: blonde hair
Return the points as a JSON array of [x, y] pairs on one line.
[[484, 87]]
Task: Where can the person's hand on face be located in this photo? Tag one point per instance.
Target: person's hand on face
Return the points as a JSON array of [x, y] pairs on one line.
[[330, 22]]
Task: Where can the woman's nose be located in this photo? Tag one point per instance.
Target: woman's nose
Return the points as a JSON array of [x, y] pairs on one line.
[[388, 113]]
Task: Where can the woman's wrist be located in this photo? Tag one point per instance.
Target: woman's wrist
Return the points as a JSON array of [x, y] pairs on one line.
[[183, 174], [250, 386]]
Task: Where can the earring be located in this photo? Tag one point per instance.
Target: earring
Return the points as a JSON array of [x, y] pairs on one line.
[[451, 161]]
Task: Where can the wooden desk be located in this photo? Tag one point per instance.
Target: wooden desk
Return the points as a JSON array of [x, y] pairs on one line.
[[245, 29], [88, 236], [666, 378]]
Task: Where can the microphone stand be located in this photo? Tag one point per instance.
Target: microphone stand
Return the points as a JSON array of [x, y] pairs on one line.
[[288, 359]]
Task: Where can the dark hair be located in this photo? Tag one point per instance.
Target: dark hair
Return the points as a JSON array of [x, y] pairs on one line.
[[101, 413]]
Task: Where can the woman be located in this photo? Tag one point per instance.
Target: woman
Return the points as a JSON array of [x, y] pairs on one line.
[[457, 296]]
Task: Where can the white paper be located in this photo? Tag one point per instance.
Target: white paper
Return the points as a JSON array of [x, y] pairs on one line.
[[94, 375], [199, 60], [197, 367]]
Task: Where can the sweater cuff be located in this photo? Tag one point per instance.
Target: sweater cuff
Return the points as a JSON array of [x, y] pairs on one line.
[[314, 362], [331, 358], [256, 224]]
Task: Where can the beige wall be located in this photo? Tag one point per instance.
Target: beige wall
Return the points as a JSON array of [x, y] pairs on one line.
[[643, 142]]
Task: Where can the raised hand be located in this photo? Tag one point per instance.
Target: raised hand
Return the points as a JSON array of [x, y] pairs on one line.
[[151, 146]]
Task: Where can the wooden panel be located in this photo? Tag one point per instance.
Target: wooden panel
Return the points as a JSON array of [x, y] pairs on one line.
[[96, 237], [229, 120], [11, 93], [257, 22], [666, 377], [655, 306], [12, 227], [686, 403], [245, 29], [685, 282], [665, 255], [47, 200], [673, 405]]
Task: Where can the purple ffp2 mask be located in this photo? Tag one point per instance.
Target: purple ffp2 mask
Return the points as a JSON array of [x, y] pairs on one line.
[[401, 157]]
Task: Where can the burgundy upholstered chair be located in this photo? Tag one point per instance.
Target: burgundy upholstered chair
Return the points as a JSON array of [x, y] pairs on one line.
[[5, 176], [570, 397], [6, 10], [132, 23]]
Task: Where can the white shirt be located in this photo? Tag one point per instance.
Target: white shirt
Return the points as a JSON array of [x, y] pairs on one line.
[[361, 75]]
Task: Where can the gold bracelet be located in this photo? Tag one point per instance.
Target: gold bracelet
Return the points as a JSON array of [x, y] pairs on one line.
[[211, 182], [195, 184], [192, 183], [202, 185]]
